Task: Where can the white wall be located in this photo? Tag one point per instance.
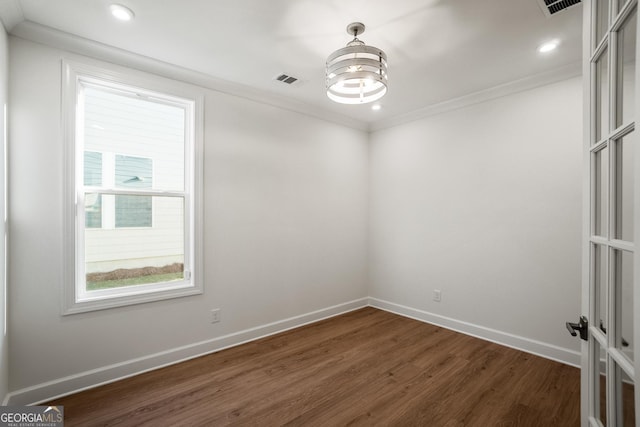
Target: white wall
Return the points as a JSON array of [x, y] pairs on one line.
[[484, 203], [285, 230], [4, 354]]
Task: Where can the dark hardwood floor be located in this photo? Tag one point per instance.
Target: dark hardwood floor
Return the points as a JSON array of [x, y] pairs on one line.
[[367, 367]]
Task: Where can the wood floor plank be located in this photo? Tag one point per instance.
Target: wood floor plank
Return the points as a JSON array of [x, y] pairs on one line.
[[366, 367]]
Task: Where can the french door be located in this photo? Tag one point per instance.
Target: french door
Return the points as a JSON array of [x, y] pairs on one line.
[[611, 276]]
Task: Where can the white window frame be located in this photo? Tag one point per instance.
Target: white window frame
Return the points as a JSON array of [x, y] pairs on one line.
[[76, 75]]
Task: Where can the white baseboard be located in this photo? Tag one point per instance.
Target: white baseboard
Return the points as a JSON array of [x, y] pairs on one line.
[[96, 377], [548, 351]]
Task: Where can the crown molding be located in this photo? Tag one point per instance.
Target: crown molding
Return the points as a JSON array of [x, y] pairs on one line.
[[563, 73], [11, 14], [69, 42]]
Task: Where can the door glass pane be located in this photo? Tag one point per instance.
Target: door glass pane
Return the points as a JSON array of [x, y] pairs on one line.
[[624, 188], [600, 275], [623, 262], [626, 70], [628, 403], [602, 96], [601, 387], [603, 400], [602, 19], [601, 174]]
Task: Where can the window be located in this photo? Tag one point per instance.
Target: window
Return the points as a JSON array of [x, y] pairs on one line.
[[134, 184]]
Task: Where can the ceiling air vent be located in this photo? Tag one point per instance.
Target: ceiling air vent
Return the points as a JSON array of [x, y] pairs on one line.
[[551, 7], [286, 79]]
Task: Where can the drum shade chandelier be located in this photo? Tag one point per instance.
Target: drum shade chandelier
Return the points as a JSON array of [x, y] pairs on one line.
[[357, 73]]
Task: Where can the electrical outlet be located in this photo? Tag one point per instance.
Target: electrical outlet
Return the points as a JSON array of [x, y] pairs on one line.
[[437, 295], [215, 315]]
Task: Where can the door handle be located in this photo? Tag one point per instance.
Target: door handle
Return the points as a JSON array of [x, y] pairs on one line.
[[582, 327]]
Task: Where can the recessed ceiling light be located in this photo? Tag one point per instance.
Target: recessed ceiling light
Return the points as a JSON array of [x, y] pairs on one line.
[[376, 107], [121, 12], [548, 47]]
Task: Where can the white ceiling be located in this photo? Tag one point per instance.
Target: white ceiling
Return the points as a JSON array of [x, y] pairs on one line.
[[437, 49]]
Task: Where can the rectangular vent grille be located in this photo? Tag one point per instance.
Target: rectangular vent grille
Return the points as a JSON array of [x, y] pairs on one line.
[[552, 7], [286, 79]]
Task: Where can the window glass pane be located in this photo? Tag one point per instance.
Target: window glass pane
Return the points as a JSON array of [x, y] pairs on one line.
[[624, 294], [602, 96], [116, 123], [627, 70], [122, 257], [602, 19], [624, 188], [601, 192]]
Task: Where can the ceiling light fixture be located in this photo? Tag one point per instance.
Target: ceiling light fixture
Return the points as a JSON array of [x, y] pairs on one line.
[[548, 47], [121, 12], [376, 107], [357, 73]]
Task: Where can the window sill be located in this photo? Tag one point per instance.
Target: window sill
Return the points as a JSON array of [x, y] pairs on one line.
[[88, 304]]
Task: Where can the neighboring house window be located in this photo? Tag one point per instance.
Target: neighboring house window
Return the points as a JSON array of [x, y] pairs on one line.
[[93, 177], [133, 172], [134, 217], [130, 172]]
